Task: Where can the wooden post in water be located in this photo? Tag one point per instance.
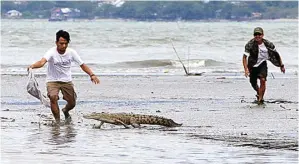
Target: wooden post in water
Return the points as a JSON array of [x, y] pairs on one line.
[[187, 73]]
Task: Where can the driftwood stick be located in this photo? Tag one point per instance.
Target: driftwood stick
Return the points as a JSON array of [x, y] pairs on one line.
[[187, 73]]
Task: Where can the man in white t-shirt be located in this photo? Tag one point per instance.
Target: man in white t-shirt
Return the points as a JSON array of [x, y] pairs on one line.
[[59, 76], [259, 51]]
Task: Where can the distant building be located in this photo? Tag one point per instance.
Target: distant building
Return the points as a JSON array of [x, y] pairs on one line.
[[13, 14], [116, 3], [57, 15], [256, 15], [18, 2], [62, 14]]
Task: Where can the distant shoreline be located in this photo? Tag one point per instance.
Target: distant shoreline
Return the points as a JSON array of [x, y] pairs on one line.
[[134, 20]]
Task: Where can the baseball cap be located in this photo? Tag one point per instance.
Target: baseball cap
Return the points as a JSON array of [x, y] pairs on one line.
[[258, 30]]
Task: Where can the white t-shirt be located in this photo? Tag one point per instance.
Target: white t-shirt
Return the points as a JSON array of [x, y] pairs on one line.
[[263, 55], [59, 65]]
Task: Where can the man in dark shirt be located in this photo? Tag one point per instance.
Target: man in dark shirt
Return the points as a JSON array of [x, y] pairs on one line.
[[259, 51]]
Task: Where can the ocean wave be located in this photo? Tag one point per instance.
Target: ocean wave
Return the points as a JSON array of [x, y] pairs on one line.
[[193, 63], [143, 64]]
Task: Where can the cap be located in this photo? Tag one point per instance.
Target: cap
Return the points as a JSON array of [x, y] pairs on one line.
[[258, 30]]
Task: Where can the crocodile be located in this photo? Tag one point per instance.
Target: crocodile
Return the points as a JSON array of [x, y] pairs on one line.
[[127, 119]]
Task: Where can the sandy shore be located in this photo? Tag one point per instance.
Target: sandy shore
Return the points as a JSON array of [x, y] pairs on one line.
[[224, 105], [220, 110]]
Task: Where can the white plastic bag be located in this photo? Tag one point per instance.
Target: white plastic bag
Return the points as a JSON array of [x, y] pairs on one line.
[[33, 89]]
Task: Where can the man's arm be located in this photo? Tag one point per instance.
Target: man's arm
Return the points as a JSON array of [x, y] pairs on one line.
[[245, 65], [246, 53], [93, 77], [38, 64], [272, 46], [281, 66]]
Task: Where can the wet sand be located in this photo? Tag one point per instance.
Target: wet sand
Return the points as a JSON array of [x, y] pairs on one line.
[[221, 122]]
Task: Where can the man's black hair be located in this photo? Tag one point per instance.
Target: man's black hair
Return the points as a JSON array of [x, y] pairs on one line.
[[63, 34]]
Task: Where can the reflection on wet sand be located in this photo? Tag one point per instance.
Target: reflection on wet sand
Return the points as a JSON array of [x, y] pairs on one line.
[[218, 128], [62, 134]]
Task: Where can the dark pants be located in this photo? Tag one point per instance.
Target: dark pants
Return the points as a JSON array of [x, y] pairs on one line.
[[258, 72]]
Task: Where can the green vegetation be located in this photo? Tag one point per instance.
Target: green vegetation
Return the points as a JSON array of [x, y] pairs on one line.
[[161, 10]]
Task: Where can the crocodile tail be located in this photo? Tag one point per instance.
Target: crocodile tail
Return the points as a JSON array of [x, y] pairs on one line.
[[164, 122], [171, 123]]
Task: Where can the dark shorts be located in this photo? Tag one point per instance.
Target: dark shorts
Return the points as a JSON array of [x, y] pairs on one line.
[[66, 88], [259, 72]]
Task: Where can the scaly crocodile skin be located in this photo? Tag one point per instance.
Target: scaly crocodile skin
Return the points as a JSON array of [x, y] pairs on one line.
[[127, 119]]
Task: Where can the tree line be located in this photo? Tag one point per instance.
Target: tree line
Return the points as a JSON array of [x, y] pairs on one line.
[[160, 10]]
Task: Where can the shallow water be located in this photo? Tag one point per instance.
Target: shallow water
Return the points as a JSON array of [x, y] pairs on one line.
[[140, 73], [219, 126], [83, 144], [145, 48]]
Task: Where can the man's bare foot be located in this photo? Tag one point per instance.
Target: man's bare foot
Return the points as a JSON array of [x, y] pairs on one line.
[[56, 123], [66, 113], [261, 102], [67, 116]]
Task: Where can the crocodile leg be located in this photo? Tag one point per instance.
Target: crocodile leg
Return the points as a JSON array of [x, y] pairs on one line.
[[102, 122], [134, 123], [98, 126], [120, 122]]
